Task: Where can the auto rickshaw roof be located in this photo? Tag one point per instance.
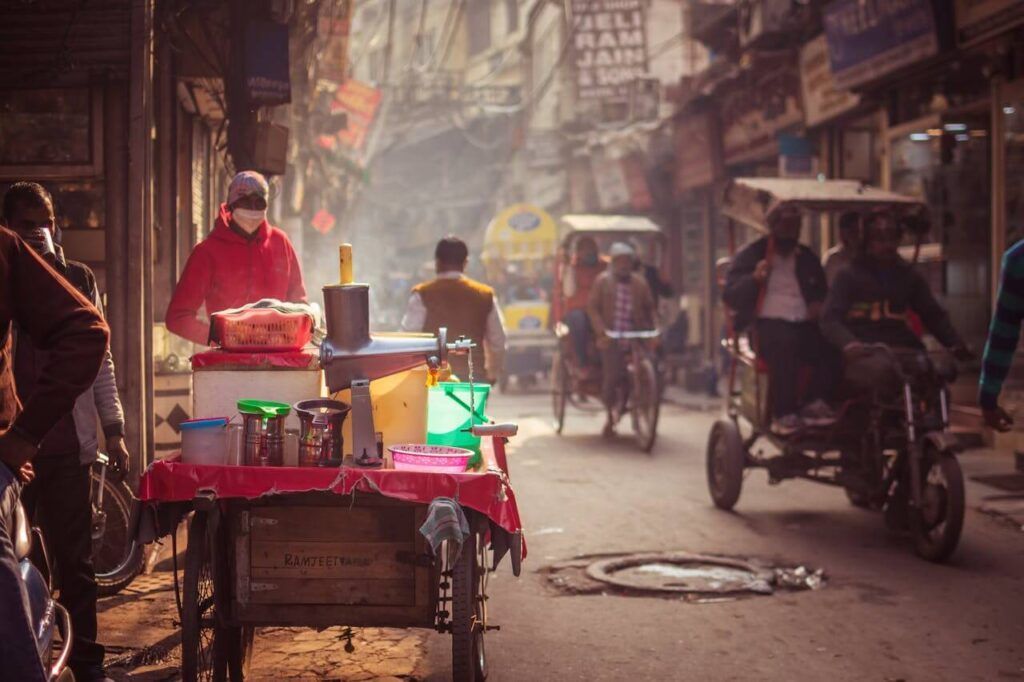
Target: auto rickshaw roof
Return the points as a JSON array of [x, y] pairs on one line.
[[752, 200], [609, 224]]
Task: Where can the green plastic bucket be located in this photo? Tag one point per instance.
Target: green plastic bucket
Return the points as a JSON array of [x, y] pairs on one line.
[[448, 415]]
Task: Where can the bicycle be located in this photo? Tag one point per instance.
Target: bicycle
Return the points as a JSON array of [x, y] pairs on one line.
[[117, 558]]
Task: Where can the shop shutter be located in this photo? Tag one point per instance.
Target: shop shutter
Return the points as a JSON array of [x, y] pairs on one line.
[[35, 52]]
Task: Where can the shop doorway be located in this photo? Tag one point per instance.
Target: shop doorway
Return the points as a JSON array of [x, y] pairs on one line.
[[944, 160]]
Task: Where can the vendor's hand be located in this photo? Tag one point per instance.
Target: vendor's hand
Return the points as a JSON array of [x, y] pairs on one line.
[[16, 452], [119, 457], [26, 473], [761, 271], [997, 418]]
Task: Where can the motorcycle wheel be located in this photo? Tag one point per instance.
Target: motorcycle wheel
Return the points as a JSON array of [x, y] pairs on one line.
[[116, 557], [939, 519]]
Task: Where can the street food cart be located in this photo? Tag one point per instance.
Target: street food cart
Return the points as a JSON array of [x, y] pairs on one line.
[[518, 255], [354, 545]]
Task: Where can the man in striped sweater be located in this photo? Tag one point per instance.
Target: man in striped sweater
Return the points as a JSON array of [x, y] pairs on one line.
[[1003, 335]]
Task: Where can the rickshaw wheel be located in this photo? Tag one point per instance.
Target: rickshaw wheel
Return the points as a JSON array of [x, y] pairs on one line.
[[725, 464], [559, 391], [646, 406], [938, 521], [203, 651], [469, 657]]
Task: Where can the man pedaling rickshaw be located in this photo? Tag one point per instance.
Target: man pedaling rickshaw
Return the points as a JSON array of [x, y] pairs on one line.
[[620, 301], [869, 303]]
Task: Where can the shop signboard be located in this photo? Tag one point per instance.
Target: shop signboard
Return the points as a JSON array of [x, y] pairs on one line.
[[867, 40], [609, 47], [980, 19], [267, 78], [751, 117], [696, 165], [823, 101], [360, 103], [333, 31]]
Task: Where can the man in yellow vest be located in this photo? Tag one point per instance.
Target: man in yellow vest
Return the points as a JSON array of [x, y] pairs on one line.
[[466, 307]]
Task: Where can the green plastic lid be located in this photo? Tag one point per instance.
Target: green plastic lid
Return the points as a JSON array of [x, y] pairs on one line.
[[265, 408]]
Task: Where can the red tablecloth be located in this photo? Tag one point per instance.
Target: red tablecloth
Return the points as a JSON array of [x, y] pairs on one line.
[[487, 493]]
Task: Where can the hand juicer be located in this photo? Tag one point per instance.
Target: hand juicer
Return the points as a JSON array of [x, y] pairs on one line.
[[351, 356]]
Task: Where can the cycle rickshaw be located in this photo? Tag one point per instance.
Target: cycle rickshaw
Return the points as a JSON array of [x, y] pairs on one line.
[[893, 454], [640, 396]]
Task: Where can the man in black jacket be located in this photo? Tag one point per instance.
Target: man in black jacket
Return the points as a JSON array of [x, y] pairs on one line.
[[776, 287], [868, 304]]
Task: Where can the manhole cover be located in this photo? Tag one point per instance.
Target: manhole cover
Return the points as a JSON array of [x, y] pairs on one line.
[[680, 572], [696, 577]]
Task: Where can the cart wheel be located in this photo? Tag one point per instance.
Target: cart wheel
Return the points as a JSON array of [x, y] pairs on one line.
[[937, 523], [646, 404], [725, 462], [469, 611], [203, 654], [559, 391]]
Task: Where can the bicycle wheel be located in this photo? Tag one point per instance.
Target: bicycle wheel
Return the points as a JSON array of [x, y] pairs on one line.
[[646, 403], [116, 557], [559, 391]]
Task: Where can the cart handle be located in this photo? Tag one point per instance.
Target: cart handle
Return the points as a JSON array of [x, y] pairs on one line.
[[497, 430]]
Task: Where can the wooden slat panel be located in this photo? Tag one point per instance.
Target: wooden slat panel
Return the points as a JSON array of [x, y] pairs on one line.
[[323, 615], [330, 560], [359, 524], [307, 591]]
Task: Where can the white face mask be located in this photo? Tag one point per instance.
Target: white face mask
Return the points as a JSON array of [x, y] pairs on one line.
[[248, 219]]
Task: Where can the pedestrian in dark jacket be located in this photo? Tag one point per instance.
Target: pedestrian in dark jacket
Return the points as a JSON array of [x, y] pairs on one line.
[[244, 259], [869, 303], [58, 500], [74, 333], [775, 287]]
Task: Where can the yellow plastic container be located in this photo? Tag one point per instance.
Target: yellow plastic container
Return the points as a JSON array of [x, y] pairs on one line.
[[399, 408]]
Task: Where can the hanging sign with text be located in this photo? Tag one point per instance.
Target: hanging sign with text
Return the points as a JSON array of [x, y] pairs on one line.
[[609, 46]]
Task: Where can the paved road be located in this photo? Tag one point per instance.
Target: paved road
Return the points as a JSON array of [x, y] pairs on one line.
[[884, 615]]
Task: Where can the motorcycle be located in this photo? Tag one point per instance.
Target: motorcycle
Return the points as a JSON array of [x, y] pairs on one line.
[[51, 623]]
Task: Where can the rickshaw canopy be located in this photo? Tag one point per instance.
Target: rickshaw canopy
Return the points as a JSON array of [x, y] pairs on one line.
[[520, 232], [608, 224], [752, 201]]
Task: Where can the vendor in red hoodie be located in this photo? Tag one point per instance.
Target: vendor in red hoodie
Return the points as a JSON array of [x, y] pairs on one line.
[[244, 259]]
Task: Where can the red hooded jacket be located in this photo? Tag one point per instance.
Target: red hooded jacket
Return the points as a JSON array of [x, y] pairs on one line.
[[226, 270]]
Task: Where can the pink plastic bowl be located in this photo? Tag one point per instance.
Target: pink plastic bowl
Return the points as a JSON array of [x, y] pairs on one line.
[[436, 458]]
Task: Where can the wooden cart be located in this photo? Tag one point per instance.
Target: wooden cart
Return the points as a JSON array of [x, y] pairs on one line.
[[346, 552]]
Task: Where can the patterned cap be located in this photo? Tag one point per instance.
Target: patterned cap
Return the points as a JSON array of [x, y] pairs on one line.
[[248, 183]]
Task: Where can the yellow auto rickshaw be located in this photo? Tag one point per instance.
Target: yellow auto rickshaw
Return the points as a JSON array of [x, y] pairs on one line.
[[518, 255]]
